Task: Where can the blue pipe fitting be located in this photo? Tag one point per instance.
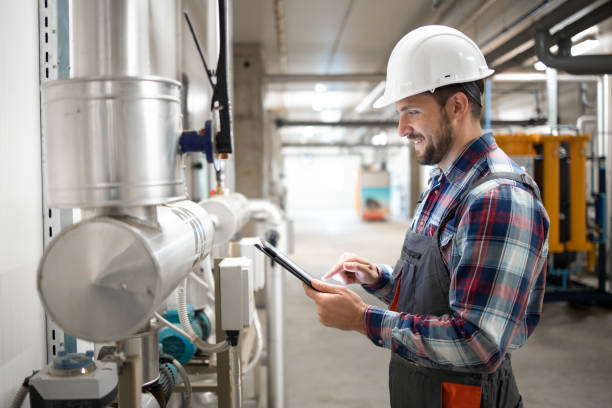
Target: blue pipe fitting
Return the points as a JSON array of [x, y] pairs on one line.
[[198, 141]]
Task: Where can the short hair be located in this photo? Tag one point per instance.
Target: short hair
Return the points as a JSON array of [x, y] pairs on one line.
[[442, 94]]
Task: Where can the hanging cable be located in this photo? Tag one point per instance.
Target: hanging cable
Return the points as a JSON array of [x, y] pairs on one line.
[[209, 73]]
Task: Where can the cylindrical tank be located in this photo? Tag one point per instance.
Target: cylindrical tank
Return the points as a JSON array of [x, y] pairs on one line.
[[102, 279], [117, 38], [230, 212], [112, 142]]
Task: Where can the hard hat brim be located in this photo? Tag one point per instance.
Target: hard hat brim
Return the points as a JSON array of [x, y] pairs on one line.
[[386, 100]]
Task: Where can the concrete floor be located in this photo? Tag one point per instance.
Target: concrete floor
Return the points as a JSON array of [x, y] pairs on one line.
[[566, 363]]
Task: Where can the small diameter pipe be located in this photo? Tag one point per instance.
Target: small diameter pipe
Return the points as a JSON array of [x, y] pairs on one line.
[[209, 348], [259, 349], [20, 397], [184, 319], [183, 373]]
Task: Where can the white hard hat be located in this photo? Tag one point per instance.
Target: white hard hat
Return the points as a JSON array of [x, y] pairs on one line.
[[430, 57]]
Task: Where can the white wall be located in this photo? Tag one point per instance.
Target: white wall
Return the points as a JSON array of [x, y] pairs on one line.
[[321, 184], [22, 325]]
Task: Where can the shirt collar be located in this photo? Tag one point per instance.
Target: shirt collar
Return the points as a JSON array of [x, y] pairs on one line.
[[472, 153]]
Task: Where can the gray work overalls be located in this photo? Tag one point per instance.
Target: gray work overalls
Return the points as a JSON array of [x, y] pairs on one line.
[[425, 284]]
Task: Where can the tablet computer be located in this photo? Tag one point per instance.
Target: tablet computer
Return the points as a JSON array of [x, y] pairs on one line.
[[285, 262]]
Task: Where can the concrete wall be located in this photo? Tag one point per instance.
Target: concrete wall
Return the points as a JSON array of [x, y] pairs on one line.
[[22, 324]]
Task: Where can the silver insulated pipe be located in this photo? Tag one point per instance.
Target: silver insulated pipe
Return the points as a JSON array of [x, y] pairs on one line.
[[102, 279], [111, 129], [111, 147]]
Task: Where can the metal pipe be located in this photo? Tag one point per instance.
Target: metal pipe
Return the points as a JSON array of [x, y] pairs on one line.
[[593, 17], [281, 33], [145, 344], [307, 78], [229, 212], [606, 133], [276, 360], [235, 378], [131, 38], [392, 123], [578, 65], [552, 100], [535, 77], [120, 270]]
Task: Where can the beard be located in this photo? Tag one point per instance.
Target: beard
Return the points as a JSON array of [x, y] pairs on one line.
[[439, 142]]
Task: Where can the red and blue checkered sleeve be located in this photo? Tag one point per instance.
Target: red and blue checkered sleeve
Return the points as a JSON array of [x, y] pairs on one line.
[[496, 265], [383, 287]]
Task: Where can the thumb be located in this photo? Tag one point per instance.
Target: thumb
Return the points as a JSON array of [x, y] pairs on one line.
[[325, 287]]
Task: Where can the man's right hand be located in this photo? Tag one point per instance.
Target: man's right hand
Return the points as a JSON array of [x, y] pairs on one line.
[[351, 268]]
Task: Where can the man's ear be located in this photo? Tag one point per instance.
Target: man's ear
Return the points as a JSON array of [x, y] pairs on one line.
[[458, 106]]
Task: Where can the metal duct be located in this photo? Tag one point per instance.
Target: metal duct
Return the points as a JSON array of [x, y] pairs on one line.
[[102, 279], [134, 38], [111, 130], [578, 65]]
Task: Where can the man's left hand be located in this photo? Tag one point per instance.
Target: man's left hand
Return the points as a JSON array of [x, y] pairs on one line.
[[338, 306]]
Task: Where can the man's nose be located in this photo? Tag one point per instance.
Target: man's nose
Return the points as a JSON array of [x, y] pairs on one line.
[[404, 128]]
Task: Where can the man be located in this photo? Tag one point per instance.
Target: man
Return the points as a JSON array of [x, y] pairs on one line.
[[469, 284]]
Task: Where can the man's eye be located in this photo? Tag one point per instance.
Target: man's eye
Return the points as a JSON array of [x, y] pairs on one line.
[[413, 112]]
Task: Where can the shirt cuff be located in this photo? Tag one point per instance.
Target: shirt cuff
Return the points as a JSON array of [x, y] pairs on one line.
[[375, 325], [383, 279]]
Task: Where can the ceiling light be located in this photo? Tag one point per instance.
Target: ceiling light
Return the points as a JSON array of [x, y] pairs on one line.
[[320, 88], [540, 66], [317, 105], [380, 139], [331, 115], [584, 47]]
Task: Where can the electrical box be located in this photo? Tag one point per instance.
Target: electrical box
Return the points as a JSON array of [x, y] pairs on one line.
[[236, 285], [248, 250]]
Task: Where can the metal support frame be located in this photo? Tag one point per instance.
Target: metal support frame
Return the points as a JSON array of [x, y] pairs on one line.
[[49, 62]]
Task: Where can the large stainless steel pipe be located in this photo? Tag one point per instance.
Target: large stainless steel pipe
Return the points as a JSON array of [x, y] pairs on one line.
[[102, 279], [117, 38], [111, 130], [112, 142]]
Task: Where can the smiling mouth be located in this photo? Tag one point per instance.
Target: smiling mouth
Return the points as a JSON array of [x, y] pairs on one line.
[[416, 140]]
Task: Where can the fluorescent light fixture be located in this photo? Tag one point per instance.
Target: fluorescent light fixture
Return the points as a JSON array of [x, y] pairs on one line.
[[584, 47], [331, 115], [317, 105], [380, 139], [320, 88], [539, 66]]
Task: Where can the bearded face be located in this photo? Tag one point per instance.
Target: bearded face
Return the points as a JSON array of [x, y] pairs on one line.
[[432, 148]]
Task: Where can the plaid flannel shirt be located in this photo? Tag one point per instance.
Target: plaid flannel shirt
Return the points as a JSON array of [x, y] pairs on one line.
[[495, 250]]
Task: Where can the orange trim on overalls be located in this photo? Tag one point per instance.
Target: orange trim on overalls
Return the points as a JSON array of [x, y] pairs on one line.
[[461, 395], [393, 306]]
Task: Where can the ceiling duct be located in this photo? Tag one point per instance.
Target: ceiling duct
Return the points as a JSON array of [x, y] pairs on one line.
[[554, 17], [563, 36]]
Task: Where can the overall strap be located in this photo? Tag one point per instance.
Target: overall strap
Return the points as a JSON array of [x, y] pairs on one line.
[[519, 178]]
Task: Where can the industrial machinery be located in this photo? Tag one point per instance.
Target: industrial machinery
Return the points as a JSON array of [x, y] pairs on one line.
[[576, 238], [145, 268]]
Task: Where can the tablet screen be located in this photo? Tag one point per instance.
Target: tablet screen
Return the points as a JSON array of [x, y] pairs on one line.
[[285, 262]]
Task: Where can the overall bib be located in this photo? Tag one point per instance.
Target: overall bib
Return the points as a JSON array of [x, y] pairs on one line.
[[425, 283]]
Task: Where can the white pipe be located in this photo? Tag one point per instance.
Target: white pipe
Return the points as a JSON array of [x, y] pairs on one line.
[[552, 98], [186, 325], [267, 210], [214, 348], [185, 377], [259, 349]]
